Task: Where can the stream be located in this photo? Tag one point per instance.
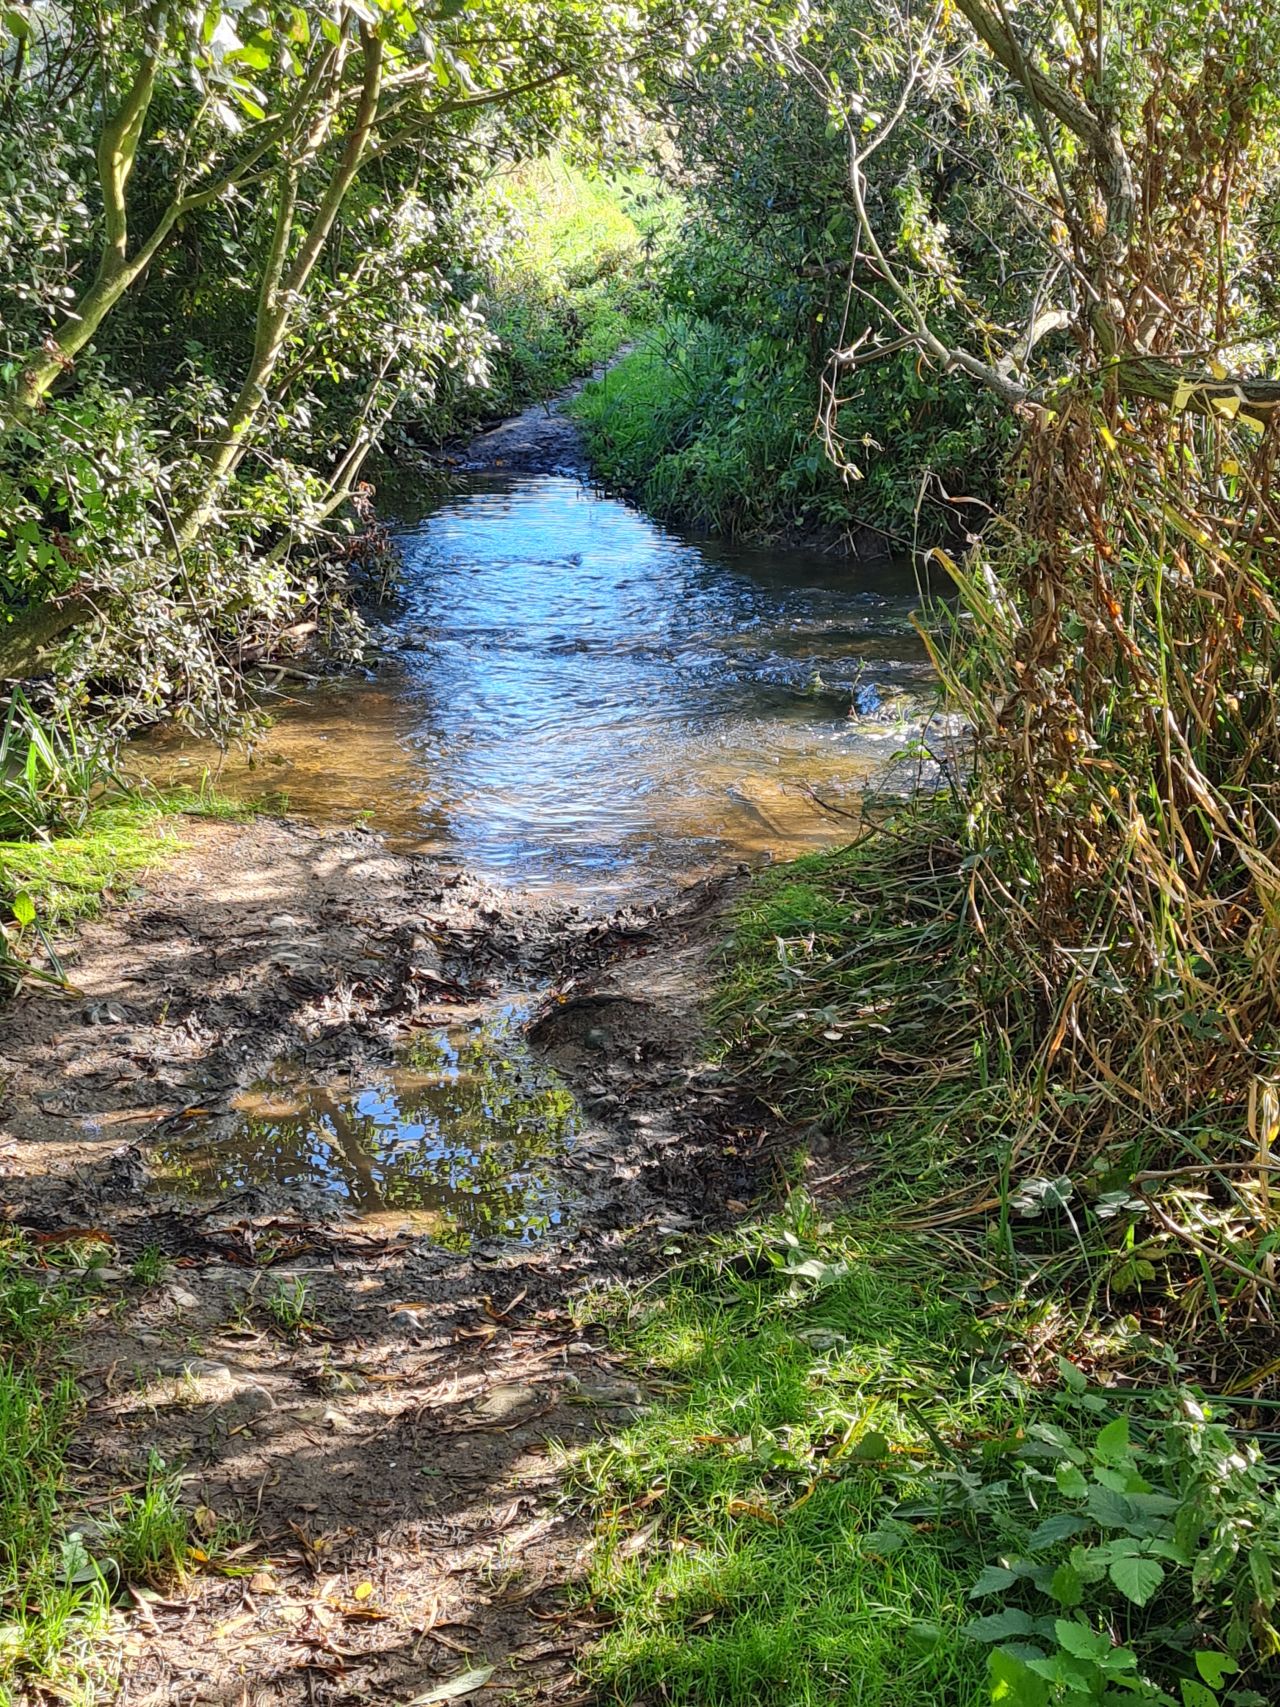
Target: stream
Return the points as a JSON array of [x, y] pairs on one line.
[[572, 696], [568, 699]]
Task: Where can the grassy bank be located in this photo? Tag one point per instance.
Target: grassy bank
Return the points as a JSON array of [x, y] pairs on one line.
[[969, 1436], [712, 425], [714, 431]]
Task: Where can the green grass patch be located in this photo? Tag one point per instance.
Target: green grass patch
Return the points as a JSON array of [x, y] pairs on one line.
[[818, 1372], [69, 877], [74, 874], [52, 1598], [935, 1446]]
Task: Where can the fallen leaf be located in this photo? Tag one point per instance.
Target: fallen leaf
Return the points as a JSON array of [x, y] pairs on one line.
[[74, 1236], [748, 1508], [463, 1684]]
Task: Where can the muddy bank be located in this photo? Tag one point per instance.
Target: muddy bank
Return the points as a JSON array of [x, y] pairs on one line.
[[385, 1461]]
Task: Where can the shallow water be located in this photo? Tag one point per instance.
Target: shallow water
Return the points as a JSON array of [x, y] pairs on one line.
[[579, 696], [460, 1140], [570, 695]]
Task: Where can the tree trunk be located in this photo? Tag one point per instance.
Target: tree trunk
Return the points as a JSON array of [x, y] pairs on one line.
[[281, 290]]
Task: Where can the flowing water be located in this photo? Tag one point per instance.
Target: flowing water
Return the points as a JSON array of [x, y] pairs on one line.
[[577, 696], [568, 695]]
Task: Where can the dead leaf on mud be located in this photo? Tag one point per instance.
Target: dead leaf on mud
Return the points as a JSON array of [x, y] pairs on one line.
[[502, 1312], [464, 1683], [483, 1332]]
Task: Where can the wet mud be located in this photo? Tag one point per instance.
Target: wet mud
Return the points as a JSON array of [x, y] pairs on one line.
[[377, 1108], [250, 1041]]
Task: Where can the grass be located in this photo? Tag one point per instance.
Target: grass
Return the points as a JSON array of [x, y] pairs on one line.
[[151, 1266], [574, 278], [71, 877], [60, 1567], [52, 1599], [52, 878], [289, 1305], [147, 1535], [821, 1378]]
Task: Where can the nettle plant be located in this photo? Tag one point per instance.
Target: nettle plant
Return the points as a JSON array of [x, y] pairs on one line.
[[1139, 1562]]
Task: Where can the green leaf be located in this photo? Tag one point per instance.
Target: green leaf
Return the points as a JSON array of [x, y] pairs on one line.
[[1061, 1527], [1067, 1587], [1214, 1667], [1080, 1641], [24, 908], [1136, 1576], [1263, 1578], [255, 52], [992, 1580], [1012, 1683], [999, 1626], [1073, 1377], [1112, 1444], [1071, 1481], [1111, 1510], [1196, 1695], [872, 1447]]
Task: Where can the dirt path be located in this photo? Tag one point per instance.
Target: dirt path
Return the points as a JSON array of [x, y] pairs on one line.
[[388, 1467]]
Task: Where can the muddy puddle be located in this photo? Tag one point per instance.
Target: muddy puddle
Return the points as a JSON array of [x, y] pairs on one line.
[[569, 695], [464, 1138]]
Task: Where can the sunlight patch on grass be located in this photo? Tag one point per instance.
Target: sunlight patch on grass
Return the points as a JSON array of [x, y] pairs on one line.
[[818, 1380], [72, 876]]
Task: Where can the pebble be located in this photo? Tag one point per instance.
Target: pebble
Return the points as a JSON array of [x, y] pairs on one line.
[[410, 1321], [181, 1299], [507, 1400]]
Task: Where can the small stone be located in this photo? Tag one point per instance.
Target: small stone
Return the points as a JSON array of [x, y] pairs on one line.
[[326, 1416], [408, 1321], [181, 1299], [508, 1400], [611, 1393], [341, 1381]]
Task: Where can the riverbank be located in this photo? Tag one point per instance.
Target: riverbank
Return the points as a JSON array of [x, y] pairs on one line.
[[752, 1406], [359, 1410], [337, 1145]]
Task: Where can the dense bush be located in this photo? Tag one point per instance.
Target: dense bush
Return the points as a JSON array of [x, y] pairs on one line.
[[238, 250]]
